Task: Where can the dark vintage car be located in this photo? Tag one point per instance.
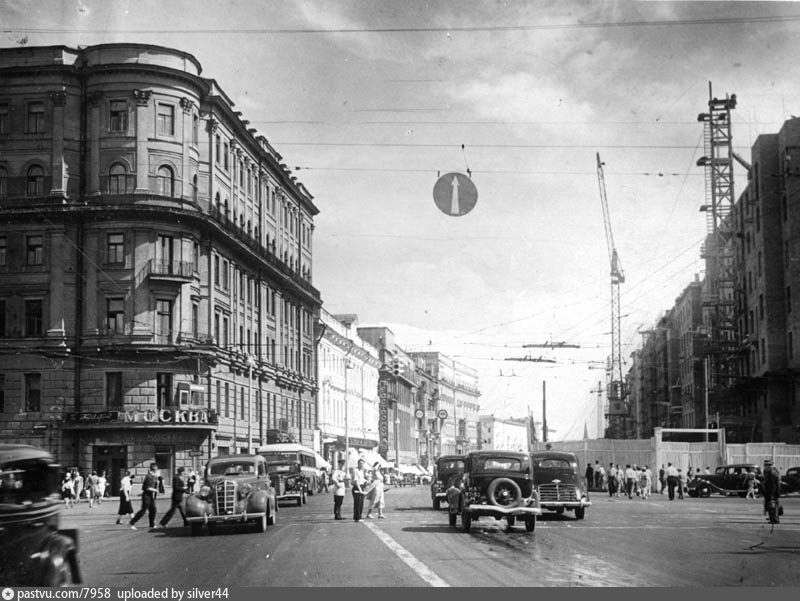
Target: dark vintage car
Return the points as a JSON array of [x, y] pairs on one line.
[[33, 550], [448, 468], [726, 480], [497, 484], [236, 490], [288, 481], [790, 481], [559, 484]]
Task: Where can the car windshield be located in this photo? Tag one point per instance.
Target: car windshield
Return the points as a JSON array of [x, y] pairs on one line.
[[497, 464], [556, 464], [454, 464], [232, 468], [24, 483]]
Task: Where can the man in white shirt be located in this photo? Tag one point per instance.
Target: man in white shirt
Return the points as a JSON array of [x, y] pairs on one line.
[[672, 480], [338, 478], [359, 481]]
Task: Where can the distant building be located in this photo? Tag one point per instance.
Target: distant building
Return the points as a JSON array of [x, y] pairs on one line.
[[507, 434]]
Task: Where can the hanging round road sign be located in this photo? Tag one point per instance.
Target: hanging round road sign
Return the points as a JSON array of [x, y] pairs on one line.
[[455, 194], [419, 414], [441, 414]]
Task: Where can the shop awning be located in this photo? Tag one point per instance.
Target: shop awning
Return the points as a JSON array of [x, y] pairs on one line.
[[371, 457], [409, 469]]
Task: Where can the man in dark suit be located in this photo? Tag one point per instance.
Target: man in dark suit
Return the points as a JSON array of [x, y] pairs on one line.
[[772, 492], [149, 492], [179, 486]]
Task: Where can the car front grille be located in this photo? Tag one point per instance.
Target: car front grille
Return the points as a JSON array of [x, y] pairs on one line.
[[557, 492], [225, 493]]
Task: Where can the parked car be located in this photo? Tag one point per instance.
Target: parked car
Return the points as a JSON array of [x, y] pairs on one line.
[[237, 490], [448, 468], [726, 480], [559, 484], [498, 484], [34, 551], [288, 481], [303, 460], [790, 481]]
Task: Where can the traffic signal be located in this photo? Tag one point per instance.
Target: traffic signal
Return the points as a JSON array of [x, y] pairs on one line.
[[396, 367]]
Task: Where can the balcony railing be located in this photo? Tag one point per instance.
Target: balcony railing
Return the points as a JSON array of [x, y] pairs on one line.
[[170, 270]]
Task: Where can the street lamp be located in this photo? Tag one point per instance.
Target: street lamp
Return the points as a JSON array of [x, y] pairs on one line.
[[250, 363], [347, 366]]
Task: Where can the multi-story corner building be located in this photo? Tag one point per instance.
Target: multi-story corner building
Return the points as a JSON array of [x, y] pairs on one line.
[[504, 434], [156, 300], [456, 395], [688, 408], [348, 388], [397, 396]]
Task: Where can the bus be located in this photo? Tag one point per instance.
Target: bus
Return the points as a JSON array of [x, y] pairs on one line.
[[298, 458]]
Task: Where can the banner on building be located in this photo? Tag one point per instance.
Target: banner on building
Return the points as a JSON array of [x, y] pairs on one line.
[[383, 420]]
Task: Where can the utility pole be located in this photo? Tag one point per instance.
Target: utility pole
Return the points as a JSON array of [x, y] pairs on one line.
[[544, 411]]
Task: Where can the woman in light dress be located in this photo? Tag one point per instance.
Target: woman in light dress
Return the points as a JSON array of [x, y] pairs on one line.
[[375, 492]]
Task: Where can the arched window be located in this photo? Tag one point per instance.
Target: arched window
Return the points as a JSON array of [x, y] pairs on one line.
[[218, 203], [117, 180], [194, 187], [166, 181], [3, 182], [35, 181], [227, 210]]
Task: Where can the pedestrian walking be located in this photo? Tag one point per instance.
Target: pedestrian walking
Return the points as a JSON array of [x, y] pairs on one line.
[[644, 483], [323, 479], [338, 482], [603, 478], [78, 479], [630, 480], [179, 488], [375, 491], [672, 480], [597, 478], [589, 476], [681, 484], [68, 490], [91, 485], [750, 481], [149, 492], [772, 490], [102, 481], [612, 479], [191, 481], [359, 482], [662, 479], [125, 505]]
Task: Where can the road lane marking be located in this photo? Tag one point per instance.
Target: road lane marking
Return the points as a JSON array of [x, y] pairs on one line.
[[415, 564]]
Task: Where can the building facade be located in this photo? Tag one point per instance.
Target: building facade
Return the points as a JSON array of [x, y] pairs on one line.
[[156, 301], [504, 434], [348, 389]]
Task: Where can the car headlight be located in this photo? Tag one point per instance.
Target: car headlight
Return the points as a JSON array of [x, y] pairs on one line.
[[204, 492]]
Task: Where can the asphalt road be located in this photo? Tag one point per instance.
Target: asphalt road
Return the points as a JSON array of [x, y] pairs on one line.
[[712, 542]]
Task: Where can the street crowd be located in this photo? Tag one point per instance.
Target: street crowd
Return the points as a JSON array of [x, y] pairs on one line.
[[633, 480]]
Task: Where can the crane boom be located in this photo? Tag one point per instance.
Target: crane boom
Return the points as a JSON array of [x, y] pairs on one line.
[[616, 388]]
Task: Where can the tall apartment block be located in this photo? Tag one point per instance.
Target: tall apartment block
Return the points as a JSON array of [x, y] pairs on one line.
[[156, 301]]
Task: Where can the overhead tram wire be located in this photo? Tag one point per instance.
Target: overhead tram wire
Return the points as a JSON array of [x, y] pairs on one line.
[[450, 29]]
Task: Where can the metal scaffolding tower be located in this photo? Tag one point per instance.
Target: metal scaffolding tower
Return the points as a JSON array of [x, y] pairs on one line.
[[617, 405], [719, 293]]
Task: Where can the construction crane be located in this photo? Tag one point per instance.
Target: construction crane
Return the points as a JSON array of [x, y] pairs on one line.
[[616, 386]]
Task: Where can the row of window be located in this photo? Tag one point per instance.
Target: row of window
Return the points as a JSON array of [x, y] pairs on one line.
[[34, 117], [34, 181]]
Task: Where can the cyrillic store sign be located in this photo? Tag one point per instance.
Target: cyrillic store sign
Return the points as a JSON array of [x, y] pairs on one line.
[[148, 416]]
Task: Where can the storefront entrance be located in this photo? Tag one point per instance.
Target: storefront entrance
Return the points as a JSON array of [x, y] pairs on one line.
[[113, 460]]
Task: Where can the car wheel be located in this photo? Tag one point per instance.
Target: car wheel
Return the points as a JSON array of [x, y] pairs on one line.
[[196, 528], [453, 518], [261, 524], [580, 512], [530, 523], [704, 491], [273, 517], [437, 503], [512, 519], [504, 492], [466, 521]]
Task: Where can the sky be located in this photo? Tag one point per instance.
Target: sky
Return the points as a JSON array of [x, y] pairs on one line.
[[370, 102]]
